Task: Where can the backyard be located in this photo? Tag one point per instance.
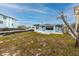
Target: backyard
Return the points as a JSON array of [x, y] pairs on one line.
[[35, 44]]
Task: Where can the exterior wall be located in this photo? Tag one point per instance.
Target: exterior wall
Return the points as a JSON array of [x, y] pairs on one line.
[[14, 25], [11, 23], [2, 25], [44, 31], [8, 22]]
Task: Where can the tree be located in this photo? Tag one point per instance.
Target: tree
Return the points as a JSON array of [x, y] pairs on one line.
[[77, 40], [73, 25], [71, 29]]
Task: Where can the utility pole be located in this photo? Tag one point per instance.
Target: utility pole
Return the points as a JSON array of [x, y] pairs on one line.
[[63, 17]]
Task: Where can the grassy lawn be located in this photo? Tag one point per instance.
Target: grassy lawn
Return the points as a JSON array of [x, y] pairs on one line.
[[31, 43]]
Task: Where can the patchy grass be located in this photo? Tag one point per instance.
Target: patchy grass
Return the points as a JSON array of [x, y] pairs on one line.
[[31, 43]]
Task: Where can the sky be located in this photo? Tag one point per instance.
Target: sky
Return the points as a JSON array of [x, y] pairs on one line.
[[38, 13]]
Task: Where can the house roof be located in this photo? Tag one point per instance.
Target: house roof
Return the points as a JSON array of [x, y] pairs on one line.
[[49, 25], [8, 16], [43, 25], [36, 24], [58, 25]]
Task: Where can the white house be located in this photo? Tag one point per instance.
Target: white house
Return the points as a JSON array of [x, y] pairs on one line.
[[7, 21], [48, 29]]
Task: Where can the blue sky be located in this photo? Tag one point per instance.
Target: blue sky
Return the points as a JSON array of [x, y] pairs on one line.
[[40, 13]]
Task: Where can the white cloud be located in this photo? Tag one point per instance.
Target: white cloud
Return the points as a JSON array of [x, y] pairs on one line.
[[20, 8], [8, 5], [43, 13], [41, 9], [32, 10]]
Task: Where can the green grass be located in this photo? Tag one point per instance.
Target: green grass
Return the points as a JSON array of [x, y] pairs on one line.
[[31, 43]]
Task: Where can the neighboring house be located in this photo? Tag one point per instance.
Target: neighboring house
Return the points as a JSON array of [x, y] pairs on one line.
[[7, 22], [48, 29]]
